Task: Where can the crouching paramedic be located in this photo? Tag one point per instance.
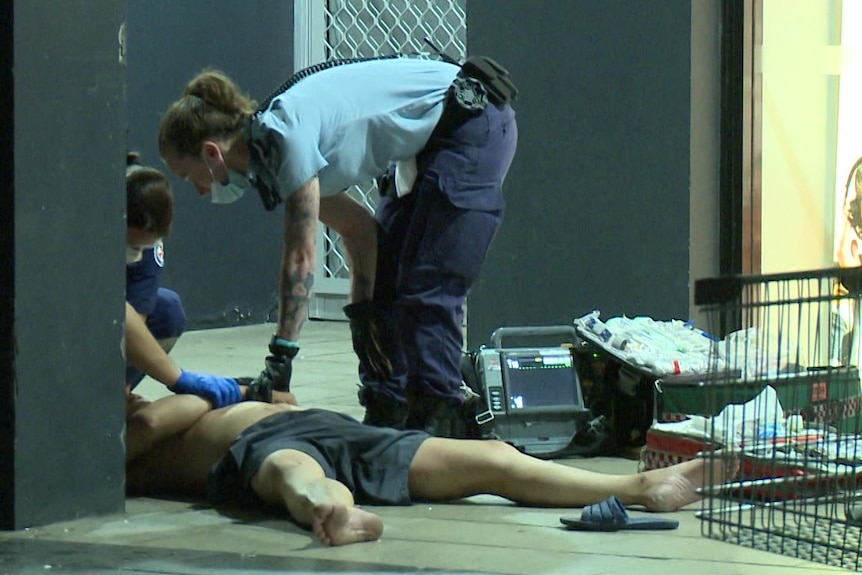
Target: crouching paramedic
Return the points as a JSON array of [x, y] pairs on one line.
[[155, 317]]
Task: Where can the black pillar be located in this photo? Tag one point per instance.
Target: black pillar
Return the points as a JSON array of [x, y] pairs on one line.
[[62, 233]]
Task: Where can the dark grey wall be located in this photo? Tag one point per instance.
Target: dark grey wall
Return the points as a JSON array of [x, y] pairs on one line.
[[598, 197], [62, 283], [7, 268], [223, 260]]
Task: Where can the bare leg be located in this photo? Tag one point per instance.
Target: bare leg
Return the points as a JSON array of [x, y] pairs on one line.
[[451, 469], [295, 480]]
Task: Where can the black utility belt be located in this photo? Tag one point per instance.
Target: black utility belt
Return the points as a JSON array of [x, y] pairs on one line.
[[482, 80]]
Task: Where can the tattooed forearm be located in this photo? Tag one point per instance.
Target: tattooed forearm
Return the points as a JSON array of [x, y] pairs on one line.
[[293, 300], [300, 217], [298, 258]]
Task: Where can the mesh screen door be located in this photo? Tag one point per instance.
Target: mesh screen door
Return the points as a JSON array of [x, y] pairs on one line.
[[332, 29]]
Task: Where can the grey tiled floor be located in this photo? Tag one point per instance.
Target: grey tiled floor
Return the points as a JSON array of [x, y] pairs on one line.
[[482, 534]]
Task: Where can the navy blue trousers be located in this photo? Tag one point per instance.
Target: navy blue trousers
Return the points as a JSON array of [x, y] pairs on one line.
[[432, 243]]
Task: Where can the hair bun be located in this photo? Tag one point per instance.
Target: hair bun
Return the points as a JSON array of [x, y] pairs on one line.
[[133, 163]]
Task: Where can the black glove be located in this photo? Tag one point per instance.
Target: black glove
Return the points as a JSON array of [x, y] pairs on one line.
[[279, 365], [259, 389], [367, 341]]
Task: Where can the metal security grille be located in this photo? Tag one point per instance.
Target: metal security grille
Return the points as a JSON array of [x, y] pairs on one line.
[[358, 29]]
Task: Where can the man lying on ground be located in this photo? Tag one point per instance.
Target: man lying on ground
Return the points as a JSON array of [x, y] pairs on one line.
[[314, 463]]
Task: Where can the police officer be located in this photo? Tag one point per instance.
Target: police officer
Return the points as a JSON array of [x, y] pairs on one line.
[[344, 123], [154, 315]]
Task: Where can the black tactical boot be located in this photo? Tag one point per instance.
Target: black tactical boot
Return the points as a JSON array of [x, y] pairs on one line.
[[434, 415], [381, 411]]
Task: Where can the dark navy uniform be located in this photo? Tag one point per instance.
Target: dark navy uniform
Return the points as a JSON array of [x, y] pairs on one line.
[[434, 241], [166, 318]]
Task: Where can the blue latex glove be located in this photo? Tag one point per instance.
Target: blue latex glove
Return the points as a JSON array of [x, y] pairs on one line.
[[221, 391]]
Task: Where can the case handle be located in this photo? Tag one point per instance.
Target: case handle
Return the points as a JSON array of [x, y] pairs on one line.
[[532, 331]]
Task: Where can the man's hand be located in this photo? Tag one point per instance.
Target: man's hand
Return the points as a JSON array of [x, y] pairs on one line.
[[366, 340], [221, 391], [135, 403]]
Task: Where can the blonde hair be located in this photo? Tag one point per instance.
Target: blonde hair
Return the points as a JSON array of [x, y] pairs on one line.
[[212, 107]]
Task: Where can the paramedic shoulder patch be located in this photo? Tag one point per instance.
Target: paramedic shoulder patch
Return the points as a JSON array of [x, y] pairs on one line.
[[159, 254]]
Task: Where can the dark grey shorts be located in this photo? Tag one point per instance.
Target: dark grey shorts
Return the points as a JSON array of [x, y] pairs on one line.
[[372, 462]]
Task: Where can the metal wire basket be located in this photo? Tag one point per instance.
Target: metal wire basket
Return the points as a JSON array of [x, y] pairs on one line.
[[782, 395]]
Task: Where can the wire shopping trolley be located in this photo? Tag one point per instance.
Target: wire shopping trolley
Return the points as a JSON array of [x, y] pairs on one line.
[[782, 392]]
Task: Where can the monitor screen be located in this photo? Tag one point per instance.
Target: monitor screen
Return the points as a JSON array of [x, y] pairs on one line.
[[541, 380]]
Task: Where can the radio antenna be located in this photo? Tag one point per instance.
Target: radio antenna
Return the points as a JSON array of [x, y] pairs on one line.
[[446, 57]]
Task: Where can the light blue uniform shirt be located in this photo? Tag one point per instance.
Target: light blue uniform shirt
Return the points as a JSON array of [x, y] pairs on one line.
[[349, 123]]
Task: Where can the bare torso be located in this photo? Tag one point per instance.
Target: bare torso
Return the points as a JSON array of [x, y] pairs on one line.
[[180, 464]]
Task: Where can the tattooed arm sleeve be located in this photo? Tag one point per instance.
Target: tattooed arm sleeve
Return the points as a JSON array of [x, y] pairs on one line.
[[298, 258]]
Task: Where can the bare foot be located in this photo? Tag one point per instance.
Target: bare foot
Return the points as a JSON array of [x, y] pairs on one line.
[[337, 524], [670, 488]]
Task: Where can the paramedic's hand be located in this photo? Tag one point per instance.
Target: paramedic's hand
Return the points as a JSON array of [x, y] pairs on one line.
[[221, 391], [366, 340], [278, 366]]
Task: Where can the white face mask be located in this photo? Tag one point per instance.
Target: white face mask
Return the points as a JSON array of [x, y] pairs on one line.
[[134, 254], [228, 193]]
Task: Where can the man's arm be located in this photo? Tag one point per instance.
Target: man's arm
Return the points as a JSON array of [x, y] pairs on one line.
[[298, 258], [149, 423], [299, 255]]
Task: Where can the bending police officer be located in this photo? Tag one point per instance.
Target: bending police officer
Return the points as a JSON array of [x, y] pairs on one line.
[[346, 123]]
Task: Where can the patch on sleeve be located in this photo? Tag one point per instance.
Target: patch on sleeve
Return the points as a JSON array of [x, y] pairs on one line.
[[269, 152], [273, 146], [159, 254]]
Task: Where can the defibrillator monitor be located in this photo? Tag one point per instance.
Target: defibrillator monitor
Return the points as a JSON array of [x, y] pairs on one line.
[[540, 380]]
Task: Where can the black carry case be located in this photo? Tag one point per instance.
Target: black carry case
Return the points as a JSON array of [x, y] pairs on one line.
[[531, 396]]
